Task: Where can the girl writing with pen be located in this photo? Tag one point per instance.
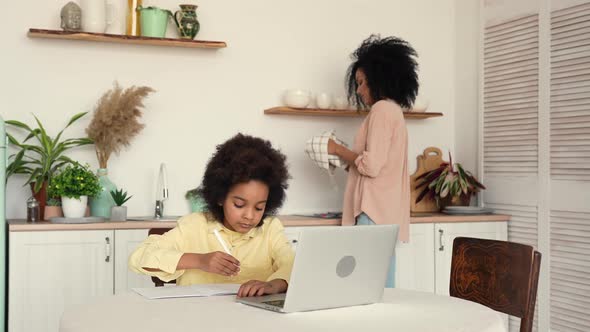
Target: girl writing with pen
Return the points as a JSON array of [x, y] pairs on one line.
[[238, 240]]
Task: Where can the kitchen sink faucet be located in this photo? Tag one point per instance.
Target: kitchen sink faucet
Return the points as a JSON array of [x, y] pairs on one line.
[[161, 192]]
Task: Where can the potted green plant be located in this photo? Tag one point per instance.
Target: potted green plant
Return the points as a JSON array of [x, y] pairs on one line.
[[74, 185], [119, 212], [195, 200], [449, 184], [39, 155], [53, 208]]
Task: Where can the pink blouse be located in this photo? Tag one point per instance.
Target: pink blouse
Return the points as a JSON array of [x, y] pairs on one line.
[[379, 185]]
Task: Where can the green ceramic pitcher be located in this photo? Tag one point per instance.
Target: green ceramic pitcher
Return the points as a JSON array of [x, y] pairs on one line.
[[154, 21], [186, 21]]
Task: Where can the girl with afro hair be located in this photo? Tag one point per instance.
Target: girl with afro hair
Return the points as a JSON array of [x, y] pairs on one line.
[[244, 185], [382, 76]]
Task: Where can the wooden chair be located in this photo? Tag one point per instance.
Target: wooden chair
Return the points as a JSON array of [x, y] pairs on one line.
[[156, 280], [498, 274]]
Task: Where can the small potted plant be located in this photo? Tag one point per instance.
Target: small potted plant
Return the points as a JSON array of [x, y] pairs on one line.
[[53, 208], [119, 212], [195, 200], [74, 185], [449, 184]]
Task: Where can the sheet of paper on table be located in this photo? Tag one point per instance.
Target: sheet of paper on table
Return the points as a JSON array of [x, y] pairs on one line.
[[187, 291]]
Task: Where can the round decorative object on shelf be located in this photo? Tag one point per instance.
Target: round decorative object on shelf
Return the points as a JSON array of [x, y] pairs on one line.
[[297, 98]]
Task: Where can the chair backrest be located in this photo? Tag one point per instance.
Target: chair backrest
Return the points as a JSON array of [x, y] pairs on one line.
[[498, 274], [159, 231]]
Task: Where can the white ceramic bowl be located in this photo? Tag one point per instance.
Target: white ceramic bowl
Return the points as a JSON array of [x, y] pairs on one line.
[[297, 98], [420, 105], [340, 102], [323, 100]]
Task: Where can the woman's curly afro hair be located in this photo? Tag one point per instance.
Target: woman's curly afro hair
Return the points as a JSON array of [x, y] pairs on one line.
[[391, 70], [240, 159]]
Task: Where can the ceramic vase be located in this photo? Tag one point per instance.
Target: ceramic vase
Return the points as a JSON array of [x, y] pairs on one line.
[[74, 207], [94, 15], [186, 21], [101, 204], [197, 204]]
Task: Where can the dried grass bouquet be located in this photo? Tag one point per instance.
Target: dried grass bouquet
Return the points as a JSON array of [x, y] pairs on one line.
[[116, 120]]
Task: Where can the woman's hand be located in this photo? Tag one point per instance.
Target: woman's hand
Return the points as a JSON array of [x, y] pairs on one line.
[[332, 146], [218, 262], [258, 288], [341, 151]]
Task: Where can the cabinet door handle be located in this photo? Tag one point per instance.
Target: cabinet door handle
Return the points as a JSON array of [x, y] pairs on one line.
[[440, 240], [107, 249]]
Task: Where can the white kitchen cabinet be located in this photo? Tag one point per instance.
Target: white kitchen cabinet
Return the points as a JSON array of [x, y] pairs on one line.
[[51, 271], [445, 234], [292, 234], [126, 240], [414, 260]]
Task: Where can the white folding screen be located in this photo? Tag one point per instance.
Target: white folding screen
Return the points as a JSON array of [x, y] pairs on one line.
[[570, 168], [535, 144], [511, 123], [511, 70]]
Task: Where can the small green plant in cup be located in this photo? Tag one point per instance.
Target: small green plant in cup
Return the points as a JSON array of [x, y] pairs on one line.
[[54, 201], [119, 212], [120, 197]]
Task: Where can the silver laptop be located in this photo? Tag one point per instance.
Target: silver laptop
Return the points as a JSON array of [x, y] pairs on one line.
[[335, 267]]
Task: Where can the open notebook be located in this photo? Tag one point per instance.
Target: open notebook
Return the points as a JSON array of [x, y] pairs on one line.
[[187, 291]]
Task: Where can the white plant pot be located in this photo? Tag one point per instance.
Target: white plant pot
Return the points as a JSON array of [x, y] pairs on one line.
[[119, 213], [73, 207]]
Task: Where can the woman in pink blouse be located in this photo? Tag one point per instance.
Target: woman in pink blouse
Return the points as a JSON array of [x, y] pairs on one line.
[[383, 76]]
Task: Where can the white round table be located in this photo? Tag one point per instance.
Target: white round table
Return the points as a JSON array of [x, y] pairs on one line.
[[400, 310]]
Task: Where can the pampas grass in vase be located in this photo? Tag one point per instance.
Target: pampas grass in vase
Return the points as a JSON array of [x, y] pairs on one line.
[[114, 124]]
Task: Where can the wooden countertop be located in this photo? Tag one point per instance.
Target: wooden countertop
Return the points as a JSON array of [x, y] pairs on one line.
[[20, 225]]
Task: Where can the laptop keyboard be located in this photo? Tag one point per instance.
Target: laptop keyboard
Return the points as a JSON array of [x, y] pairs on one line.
[[276, 303]]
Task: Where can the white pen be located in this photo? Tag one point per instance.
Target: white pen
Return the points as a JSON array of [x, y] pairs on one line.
[[225, 248]]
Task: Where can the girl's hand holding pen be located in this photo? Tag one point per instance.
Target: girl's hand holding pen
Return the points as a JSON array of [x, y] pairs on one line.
[[220, 263]]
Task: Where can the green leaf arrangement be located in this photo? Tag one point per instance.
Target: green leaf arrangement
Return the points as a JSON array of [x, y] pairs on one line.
[[120, 197], [447, 181], [194, 193], [75, 181], [41, 159]]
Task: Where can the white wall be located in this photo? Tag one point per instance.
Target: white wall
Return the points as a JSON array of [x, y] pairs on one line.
[[206, 96], [467, 28]]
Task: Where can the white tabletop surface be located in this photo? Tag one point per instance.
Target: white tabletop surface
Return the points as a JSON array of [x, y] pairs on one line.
[[400, 310]]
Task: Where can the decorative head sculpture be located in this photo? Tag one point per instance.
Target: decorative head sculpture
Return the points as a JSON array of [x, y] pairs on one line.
[[71, 17]]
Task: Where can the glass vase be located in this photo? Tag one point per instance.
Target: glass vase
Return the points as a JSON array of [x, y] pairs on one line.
[[101, 204]]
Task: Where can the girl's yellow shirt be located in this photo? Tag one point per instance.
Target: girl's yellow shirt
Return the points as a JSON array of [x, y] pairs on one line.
[[264, 252]]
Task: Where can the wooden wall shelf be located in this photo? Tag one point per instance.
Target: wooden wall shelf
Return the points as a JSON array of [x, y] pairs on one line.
[[281, 110], [123, 39]]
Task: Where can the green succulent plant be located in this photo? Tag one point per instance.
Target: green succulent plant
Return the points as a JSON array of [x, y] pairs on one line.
[[120, 197], [40, 160], [447, 181], [53, 201]]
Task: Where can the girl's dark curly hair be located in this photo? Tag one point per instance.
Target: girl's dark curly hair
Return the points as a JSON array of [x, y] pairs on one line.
[[391, 70], [240, 159]]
